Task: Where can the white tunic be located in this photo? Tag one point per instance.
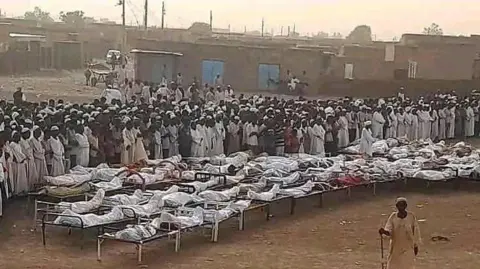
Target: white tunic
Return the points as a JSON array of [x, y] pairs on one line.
[[470, 122], [58, 152], [19, 167], [343, 132], [83, 150], [317, 140], [366, 142], [32, 175], [39, 156], [377, 125]]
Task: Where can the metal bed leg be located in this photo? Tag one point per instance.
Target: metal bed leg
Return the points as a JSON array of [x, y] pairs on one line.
[[82, 243], [44, 241], [35, 216], [349, 193], [293, 203], [99, 249], [267, 212], [177, 241], [374, 188], [215, 235], [320, 202], [241, 221], [139, 253]]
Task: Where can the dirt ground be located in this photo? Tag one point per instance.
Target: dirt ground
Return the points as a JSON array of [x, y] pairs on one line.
[[343, 237], [69, 86]]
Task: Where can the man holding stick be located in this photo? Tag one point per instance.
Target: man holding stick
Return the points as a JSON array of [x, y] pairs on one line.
[[403, 230]]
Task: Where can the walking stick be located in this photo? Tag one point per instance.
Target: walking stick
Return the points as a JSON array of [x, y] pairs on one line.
[[381, 251]]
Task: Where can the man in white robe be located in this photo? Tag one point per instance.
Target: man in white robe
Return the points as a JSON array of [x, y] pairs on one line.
[[377, 124], [58, 152], [317, 137], [451, 121], [414, 130], [128, 143], [172, 130], [367, 140], [470, 121], [219, 137], [139, 152], [408, 122], [82, 148], [19, 165], [233, 136], [401, 128], [157, 140], [197, 141], [39, 153], [442, 123], [434, 129], [342, 134], [27, 150], [404, 232]]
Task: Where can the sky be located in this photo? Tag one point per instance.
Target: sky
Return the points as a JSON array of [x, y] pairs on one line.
[[388, 19]]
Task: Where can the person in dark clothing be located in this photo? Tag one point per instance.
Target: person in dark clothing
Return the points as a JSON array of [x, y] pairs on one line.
[[18, 97]]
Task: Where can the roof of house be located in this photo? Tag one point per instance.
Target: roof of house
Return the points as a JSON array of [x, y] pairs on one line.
[[156, 52]]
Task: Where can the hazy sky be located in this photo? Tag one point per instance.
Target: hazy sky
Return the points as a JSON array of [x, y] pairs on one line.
[[387, 18]]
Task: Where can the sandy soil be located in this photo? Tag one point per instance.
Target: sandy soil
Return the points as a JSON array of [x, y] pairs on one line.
[[341, 237], [70, 86]]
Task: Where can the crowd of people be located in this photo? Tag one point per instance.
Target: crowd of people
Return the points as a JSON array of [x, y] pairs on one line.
[[155, 121]]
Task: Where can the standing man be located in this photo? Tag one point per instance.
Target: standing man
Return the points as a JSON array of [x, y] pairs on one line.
[[404, 232]]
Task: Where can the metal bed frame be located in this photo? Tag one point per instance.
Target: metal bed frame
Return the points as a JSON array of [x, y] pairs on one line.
[[172, 230], [100, 227]]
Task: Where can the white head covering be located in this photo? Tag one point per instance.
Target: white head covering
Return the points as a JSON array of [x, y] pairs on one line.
[[368, 123], [401, 199]]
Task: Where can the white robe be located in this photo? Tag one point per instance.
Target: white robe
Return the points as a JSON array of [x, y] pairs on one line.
[[408, 125], [158, 150], [392, 128], [317, 140], [19, 167], [58, 153], [366, 142], [377, 125], [470, 122], [39, 156], [204, 142], [32, 174], [139, 152], [451, 123], [442, 124], [219, 138], [128, 148], [401, 128], [414, 131], [251, 140], [83, 150], [211, 137], [342, 134], [233, 137], [198, 148], [434, 130], [173, 149]]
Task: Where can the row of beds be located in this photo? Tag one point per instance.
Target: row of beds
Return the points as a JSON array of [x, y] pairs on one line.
[[168, 209]]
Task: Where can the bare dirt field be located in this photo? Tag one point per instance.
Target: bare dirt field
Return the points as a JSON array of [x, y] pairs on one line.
[[343, 237]]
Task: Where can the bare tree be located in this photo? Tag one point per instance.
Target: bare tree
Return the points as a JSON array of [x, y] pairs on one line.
[[433, 29]]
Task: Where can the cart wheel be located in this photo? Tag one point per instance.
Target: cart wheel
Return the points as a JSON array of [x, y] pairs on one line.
[[93, 81]]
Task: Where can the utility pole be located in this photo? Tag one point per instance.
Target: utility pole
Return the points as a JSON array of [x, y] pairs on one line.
[[263, 25], [163, 14], [294, 29], [281, 31], [211, 20], [288, 33], [145, 18]]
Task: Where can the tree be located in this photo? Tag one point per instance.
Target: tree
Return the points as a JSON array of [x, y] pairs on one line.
[[76, 18], [38, 15], [337, 35], [361, 34], [433, 29]]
